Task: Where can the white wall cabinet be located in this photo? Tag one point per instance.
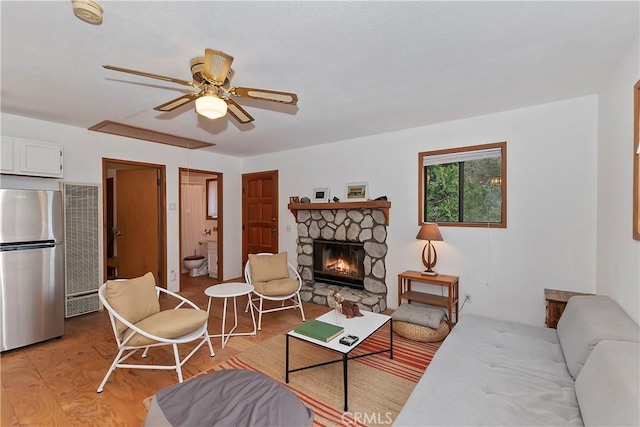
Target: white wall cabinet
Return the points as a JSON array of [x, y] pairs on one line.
[[6, 156], [31, 158], [212, 249]]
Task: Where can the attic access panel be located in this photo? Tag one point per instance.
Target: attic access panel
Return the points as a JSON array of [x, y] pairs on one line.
[[121, 129]]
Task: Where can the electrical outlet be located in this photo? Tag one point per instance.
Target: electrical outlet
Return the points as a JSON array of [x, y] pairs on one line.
[[467, 297], [173, 276]]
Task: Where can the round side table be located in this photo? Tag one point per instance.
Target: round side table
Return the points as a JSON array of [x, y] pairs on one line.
[[226, 291]]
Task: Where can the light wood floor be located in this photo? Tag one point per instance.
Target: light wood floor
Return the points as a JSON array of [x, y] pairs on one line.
[[54, 383]]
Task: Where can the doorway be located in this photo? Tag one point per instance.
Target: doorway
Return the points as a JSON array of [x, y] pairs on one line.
[[135, 228], [259, 213], [200, 218]]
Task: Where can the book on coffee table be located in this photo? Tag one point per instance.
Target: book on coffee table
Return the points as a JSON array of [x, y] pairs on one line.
[[319, 330]]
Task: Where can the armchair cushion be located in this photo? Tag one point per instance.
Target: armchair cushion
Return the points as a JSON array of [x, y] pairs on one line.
[[277, 287], [133, 299], [265, 268], [169, 324]]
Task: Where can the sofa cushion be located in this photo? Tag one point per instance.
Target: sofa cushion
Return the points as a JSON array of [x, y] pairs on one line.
[[607, 386], [133, 299], [268, 267], [170, 324], [585, 322], [493, 372]]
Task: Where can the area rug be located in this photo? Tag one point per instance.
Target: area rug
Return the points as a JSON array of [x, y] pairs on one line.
[[378, 386]]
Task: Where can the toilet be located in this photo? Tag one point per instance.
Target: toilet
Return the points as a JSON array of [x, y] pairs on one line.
[[196, 264]]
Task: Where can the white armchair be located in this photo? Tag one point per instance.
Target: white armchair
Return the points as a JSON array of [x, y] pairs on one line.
[[273, 279], [138, 323]]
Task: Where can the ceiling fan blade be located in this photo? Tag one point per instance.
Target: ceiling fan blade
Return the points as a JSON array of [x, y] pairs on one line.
[[237, 111], [178, 102], [153, 76], [216, 65], [267, 95]]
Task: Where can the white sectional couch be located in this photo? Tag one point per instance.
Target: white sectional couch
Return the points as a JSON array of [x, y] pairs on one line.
[[492, 372]]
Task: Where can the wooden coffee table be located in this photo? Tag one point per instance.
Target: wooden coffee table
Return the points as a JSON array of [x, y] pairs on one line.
[[362, 327]]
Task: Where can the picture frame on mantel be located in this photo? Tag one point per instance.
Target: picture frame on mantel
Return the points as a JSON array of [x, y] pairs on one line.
[[320, 195], [357, 191]]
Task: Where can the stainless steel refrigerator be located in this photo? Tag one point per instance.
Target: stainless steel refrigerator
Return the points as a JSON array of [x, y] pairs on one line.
[[31, 267]]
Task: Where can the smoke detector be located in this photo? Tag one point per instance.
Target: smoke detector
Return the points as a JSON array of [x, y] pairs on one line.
[[88, 11]]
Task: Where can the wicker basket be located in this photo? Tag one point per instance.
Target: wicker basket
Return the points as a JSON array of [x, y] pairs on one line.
[[421, 333]]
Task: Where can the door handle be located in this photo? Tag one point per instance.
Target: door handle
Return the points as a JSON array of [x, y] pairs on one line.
[[273, 230], [118, 233]]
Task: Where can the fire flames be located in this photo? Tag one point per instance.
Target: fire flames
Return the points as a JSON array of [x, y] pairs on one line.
[[340, 266]]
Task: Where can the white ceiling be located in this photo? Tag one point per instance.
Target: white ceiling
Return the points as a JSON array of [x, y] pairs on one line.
[[359, 68]]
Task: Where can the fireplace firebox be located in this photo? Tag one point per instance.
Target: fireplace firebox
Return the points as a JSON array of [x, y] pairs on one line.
[[340, 263]]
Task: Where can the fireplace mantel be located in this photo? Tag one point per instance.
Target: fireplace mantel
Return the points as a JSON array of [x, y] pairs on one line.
[[383, 205]]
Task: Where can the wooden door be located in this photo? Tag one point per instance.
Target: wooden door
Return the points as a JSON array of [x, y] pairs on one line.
[[138, 237], [259, 213]]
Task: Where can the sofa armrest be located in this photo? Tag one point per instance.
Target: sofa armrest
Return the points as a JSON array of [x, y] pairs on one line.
[[586, 321]]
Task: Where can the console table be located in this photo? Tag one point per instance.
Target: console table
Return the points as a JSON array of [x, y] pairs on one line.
[[556, 302], [449, 301]]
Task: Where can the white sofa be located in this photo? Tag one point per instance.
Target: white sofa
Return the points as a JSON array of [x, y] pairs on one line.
[[492, 372]]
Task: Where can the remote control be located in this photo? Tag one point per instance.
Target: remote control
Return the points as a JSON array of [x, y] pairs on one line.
[[349, 340]]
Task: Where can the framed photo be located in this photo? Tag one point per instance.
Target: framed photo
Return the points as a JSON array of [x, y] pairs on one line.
[[320, 195], [357, 191]]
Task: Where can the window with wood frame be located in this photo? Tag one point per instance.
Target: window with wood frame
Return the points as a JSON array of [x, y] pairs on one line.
[[464, 186], [636, 161], [212, 199]]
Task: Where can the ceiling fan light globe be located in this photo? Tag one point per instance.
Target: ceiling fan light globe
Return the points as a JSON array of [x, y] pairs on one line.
[[88, 11], [211, 107]]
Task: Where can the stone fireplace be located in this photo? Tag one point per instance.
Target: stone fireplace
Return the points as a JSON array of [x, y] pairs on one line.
[[332, 235], [339, 263]]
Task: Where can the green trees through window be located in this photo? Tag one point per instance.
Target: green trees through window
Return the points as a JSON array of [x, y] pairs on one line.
[[465, 186]]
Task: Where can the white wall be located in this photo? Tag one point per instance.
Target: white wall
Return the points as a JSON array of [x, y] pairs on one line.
[[550, 239], [618, 268], [83, 153], [552, 198]]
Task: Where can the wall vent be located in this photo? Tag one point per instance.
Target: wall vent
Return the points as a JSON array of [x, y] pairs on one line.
[[82, 305], [82, 247]]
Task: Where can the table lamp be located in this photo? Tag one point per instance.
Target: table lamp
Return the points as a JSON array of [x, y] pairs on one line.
[[429, 231]]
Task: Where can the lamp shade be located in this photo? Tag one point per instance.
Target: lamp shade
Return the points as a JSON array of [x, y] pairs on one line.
[[429, 231], [211, 107]]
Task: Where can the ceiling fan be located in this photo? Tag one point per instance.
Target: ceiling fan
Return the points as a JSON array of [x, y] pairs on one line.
[[211, 74]]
